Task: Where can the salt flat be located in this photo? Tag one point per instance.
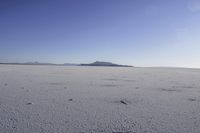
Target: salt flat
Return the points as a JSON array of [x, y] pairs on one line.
[[60, 99]]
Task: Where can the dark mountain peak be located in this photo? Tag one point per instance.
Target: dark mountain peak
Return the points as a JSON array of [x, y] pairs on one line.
[[102, 63]]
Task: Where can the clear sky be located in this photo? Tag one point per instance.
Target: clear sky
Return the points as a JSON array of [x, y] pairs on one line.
[[134, 32]]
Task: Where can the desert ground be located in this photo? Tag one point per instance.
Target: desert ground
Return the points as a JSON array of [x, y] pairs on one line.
[[74, 99]]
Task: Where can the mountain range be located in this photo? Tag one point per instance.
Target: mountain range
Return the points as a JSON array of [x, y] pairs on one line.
[[97, 63]]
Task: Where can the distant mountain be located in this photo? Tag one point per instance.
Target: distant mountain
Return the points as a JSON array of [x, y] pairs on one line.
[[70, 64], [100, 63], [97, 63]]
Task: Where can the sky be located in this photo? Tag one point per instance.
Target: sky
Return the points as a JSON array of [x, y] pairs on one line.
[[133, 32]]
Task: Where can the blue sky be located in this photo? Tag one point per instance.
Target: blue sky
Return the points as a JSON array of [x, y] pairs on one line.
[[134, 32]]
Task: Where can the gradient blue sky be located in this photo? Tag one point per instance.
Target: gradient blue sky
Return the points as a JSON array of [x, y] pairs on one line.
[[135, 32]]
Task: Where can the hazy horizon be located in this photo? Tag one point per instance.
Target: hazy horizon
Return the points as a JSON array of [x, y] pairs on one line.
[[133, 32]]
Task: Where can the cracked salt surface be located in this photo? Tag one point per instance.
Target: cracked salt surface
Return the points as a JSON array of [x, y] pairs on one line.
[[59, 99]]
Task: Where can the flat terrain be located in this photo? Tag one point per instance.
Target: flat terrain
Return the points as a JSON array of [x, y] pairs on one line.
[[60, 99]]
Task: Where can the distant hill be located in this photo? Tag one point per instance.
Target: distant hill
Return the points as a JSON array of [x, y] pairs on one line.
[[100, 63], [70, 64]]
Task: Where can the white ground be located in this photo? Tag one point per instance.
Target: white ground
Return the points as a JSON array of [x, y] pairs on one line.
[[58, 99]]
